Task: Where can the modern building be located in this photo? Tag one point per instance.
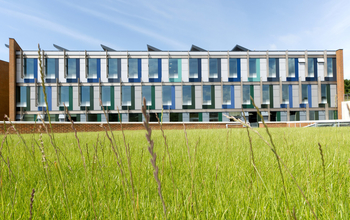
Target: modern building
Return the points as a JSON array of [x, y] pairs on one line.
[[194, 85]]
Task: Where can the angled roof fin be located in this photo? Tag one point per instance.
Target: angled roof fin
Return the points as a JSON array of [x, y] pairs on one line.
[[59, 48], [6, 45], [195, 48], [239, 48], [105, 48], [150, 48]]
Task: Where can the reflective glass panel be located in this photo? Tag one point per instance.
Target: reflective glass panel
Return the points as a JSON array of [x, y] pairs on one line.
[[153, 68], [186, 95], [329, 67], [64, 95], [246, 94], [173, 68], [324, 93], [252, 67], [304, 96], [133, 68], [22, 98], [41, 97], [311, 67], [166, 95], [50, 68], [113, 68], [85, 96], [291, 67], [272, 67], [71, 68], [29, 68], [285, 94], [213, 68], [147, 93], [126, 95], [106, 95], [233, 68], [193, 68], [266, 94], [226, 95], [206, 95]]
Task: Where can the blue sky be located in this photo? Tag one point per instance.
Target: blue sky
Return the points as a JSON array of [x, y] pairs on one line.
[[176, 25]]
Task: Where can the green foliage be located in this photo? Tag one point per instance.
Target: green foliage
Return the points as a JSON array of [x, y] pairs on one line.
[[346, 86], [221, 183]]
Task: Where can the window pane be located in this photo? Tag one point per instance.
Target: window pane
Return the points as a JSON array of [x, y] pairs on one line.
[[233, 68], [41, 98], [85, 96], [106, 95], [329, 67], [311, 67], [213, 68], [126, 95], [92, 73], [194, 68], [226, 95], [291, 67], [173, 68], [147, 93], [133, 68], [252, 67], [213, 116], [113, 68], [50, 68], [29, 70], [194, 116], [166, 95], [266, 94], [285, 94], [304, 93], [153, 68], [246, 94], [206, 95], [64, 95], [72, 68], [323, 93], [22, 102], [272, 67], [186, 95]]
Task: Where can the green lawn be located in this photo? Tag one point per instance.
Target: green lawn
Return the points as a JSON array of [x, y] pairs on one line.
[[219, 183]]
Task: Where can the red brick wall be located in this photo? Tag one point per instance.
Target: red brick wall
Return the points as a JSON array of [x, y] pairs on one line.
[[25, 127], [285, 124], [4, 91]]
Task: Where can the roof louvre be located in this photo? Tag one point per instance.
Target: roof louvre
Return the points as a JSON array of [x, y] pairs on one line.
[[105, 48], [150, 48], [196, 48], [59, 48], [239, 48]]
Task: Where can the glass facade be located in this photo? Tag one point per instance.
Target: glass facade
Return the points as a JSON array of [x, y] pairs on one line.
[[50, 68], [92, 71], [193, 64], [29, 68], [310, 67], [304, 94], [22, 96], [206, 95], [106, 95], [113, 68], [133, 68], [285, 94], [266, 94], [272, 67], [226, 95], [41, 97], [173, 68], [126, 95], [246, 94], [71, 68], [233, 68], [213, 68], [147, 93], [153, 68], [186, 95], [64, 95], [166, 95], [252, 67], [329, 67], [85, 96], [291, 67], [323, 93]]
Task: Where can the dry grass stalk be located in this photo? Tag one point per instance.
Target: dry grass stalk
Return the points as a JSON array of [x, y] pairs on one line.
[[82, 158], [250, 140], [153, 154], [167, 150], [31, 204]]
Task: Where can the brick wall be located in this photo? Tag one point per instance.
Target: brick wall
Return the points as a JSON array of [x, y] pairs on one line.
[[285, 124], [59, 127], [4, 88]]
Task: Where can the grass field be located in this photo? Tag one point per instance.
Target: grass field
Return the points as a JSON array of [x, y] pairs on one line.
[[213, 178]]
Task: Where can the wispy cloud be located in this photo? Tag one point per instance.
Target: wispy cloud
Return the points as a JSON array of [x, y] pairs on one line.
[[129, 26], [46, 24]]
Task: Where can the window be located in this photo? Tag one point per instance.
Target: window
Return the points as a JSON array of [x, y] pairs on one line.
[[167, 95], [71, 68], [226, 95], [147, 93], [133, 68], [113, 68], [246, 94], [41, 97], [193, 68], [92, 68], [304, 96], [126, 95], [186, 95], [213, 116], [22, 96], [106, 95], [329, 67], [64, 95], [175, 117], [272, 67], [194, 116], [153, 68], [323, 93], [310, 67], [207, 95], [252, 67], [213, 68], [29, 65], [85, 96], [266, 94], [233, 68], [50, 68], [285, 94], [173, 68], [291, 67]]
